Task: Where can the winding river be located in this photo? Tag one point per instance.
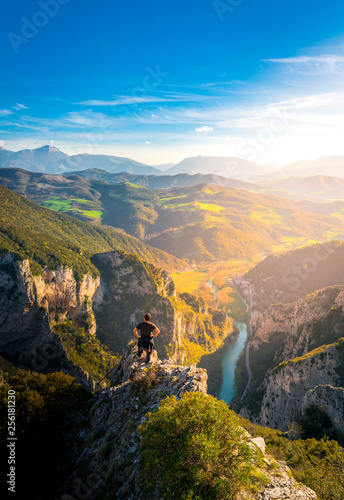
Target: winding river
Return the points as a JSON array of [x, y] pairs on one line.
[[230, 357], [229, 360]]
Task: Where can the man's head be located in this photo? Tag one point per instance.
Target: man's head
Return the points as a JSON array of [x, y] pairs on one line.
[[147, 317]]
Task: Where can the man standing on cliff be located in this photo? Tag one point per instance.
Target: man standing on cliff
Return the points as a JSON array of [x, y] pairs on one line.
[[146, 336]]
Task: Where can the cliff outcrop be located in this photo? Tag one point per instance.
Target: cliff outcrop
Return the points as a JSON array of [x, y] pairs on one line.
[[310, 381], [131, 287], [295, 350], [285, 278], [29, 304], [107, 460]]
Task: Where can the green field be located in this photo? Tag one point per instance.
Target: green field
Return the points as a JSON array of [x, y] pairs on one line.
[[95, 214], [189, 281], [205, 224], [210, 207], [61, 205]]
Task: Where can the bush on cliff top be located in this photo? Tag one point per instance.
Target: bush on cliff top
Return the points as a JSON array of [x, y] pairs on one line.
[[319, 464], [194, 448]]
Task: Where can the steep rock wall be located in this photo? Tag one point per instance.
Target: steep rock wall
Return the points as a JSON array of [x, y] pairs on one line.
[[292, 334], [294, 323], [328, 399], [28, 303], [109, 306], [131, 287], [292, 388]]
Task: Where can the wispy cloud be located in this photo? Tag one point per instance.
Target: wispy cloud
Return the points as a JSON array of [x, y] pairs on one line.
[[320, 65], [19, 106], [123, 100], [5, 112], [88, 118], [326, 59], [165, 97], [204, 129]]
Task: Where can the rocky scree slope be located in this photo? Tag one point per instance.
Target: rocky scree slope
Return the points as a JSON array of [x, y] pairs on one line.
[[297, 358], [107, 459]]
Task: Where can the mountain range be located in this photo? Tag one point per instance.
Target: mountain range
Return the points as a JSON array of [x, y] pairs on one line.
[[30, 231], [232, 167], [50, 159], [317, 188], [164, 181], [193, 222], [326, 165]]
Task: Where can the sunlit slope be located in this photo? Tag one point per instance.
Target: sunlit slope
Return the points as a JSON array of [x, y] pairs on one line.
[[219, 223], [27, 228], [317, 187], [204, 223], [288, 277]]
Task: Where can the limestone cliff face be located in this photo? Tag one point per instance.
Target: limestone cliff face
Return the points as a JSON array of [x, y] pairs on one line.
[[130, 288], [330, 400], [309, 381], [291, 336], [294, 324], [107, 457], [110, 306], [29, 303]]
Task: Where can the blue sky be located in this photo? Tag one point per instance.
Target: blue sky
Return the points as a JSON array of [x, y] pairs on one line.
[[158, 81]]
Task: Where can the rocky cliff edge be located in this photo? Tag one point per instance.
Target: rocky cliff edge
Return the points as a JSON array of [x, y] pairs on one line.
[[107, 462]]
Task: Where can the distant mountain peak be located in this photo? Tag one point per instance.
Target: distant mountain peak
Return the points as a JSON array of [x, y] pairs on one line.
[[48, 147]]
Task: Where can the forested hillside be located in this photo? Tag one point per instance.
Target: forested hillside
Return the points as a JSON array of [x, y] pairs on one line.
[[204, 223], [52, 238]]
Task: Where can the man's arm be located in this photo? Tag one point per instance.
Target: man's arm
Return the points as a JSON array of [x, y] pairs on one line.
[[135, 331], [157, 332]]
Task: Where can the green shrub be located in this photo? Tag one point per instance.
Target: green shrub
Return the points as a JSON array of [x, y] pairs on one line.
[[86, 350], [194, 448], [317, 424], [105, 450], [319, 464]]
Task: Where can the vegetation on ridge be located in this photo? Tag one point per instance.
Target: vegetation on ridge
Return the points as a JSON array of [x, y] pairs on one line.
[[194, 448], [319, 464], [58, 239], [49, 410], [194, 222], [86, 351]]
